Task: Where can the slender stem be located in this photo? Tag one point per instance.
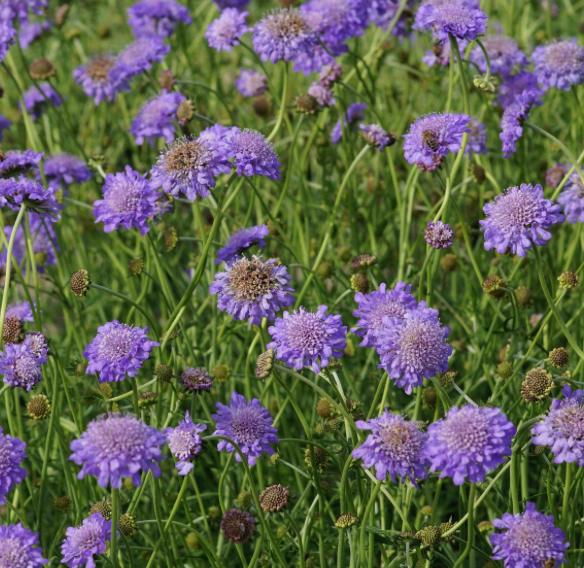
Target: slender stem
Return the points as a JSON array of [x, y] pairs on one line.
[[115, 517], [282, 105], [470, 524], [567, 496], [484, 50], [364, 520], [135, 397]]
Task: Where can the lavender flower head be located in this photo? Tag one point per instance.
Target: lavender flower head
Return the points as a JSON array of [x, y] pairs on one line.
[[185, 443], [35, 101], [65, 169], [157, 17], [439, 234], [376, 136], [330, 74], [555, 175], [378, 305], [530, 540], [248, 424], [461, 18], [504, 55], [433, 136], [250, 83], [220, 138], [11, 473], [382, 13], [240, 241], [19, 547], [31, 193], [572, 199], [222, 4], [308, 338], [117, 446], [254, 155], [20, 310], [31, 31], [83, 542], [513, 119], [559, 64], [128, 201], [5, 124], [353, 116], [97, 80], [519, 218], [477, 139], [394, 446], [7, 35], [226, 31], [17, 161], [253, 289], [322, 94], [189, 165], [283, 34], [139, 57], [37, 343], [469, 443], [156, 119], [118, 350]]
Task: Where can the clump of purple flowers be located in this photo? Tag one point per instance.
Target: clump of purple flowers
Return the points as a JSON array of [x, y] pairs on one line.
[[19, 547], [254, 155], [156, 119], [559, 64], [512, 120], [118, 350], [504, 55], [350, 120], [20, 366], [382, 12], [11, 472], [64, 169], [251, 83], [157, 17], [248, 424], [185, 443], [226, 31], [572, 199], [308, 338], [519, 218], [82, 543], [439, 234], [37, 102], [240, 241], [469, 443], [461, 18], [98, 81]]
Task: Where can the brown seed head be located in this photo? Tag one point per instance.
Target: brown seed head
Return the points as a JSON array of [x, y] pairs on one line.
[[39, 407], [274, 498], [79, 283], [264, 364], [13, 331], [559, 358], [41, 69], [537, 385]]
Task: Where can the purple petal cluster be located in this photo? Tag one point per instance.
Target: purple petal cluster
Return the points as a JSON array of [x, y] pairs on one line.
[[226, 31], [504, 55], [64, 169], [98, 81], [7, 34], [20, 310], [519, 218], [350, 120], [157, 17], [37, 199], [11, 473], [515, 85], [18, 161], [513, 119], [439, 234], [185, 443], [240, 241], [31, 31], [139, 57], [117, 446], [572, 199], [477, 138], [394, 447], [382, 13], [118, 350], [19, 547], [37, 343], [375, 135], [82, 543], [156, 119], [559, 64], [250, 83], [308, 338], [37, 102], [469, 443], [254, 155], [253, 289], [20, 366], [248, 424], [322, 93], [530, 540]]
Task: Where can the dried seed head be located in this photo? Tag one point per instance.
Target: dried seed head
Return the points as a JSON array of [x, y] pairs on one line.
[[166, 80], [163, 373], [306, 104], [147, 398], [524, 297], [13, 331], [170, 238], [261, 106], [320, 457], [449, 262], [221, 373], [537, 385], [344, 254], [429, 396], [446, 379], [325, 409], [79, 283], [237, 526], [136, 266], [559, 358], [568, 280], [264, 364], [62, 504], [185, 112], [492, 286], [274, 498], [346, 520], [359, 283], [127, 525], [362, 261], [244, 498], [430, 536], [193, 541], [39, 407], [504, 369], [104, 507], [41, 69]]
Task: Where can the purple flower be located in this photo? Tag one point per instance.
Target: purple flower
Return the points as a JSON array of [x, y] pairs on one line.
[[253, 289], [433, 136], [226, 31], [350, 120], [97, 80], [376, 136], [7, 34], [530, 540], [117, 446], [189, 165], [37, 199], [555, 175], [308, 338], [378, 305], [240, 241], [513, 119], [322, 94], [11, 473], [157, 17], [18, 547], [394, 446], [254, 155], [559, 64], [382, 12], [572, 199], [504, 55], [314, 61], [221, 138], [283, 34], [156, 119], [65, 169], [519, 218], [20, 310], [563, 428], [185, 443], [139, 57], [248, 424], [20, 366], [250, 83], [36, 102], [128, 201], [440, 54], [330, 74], [460, 18], [469, 442], [37, 343], [439, 234], [31, 31], [222, 4], [17, 161], [85, 541], [477, 139], [118, 350], [5, 124]]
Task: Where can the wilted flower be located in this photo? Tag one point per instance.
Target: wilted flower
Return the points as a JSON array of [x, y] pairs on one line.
[[240, 241], [185, 443], [559, 64], [85, 541], [19, 547], [439, 234], [196, 379], [11, 472], [226, 31], [156, 119]]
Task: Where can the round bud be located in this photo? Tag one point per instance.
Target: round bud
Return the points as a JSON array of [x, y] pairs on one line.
[[426, 510], [12, 332], [505, 369], [445, 527], [429, 396], [79, 368], [320, 457], [568, 280], [262, 106], [325, 408], [333, 425], [446, 379], [41, 69], [539, 450], [170, 239], [146, 399], [221, 373], [344, 254], [559, 358], [62, 504], [524, 297], [431, 536], [307, 104], [346, 520], [136, 266], [163, 373], [39, 407], [477, 173], [166, 80], [281, 531], [275, 458], [449, 262], [264, 364], [244, 498], [79, 283], [185, 112], [127, 525], [408, 536], [104, 507], [485, 526], [492, 286], [214, 513], [537, 385], [325, 270], [319, 428], [359, 283], [504, 353], [193, 541]]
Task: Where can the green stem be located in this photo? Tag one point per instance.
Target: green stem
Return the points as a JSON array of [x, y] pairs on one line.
[[282, 105], [135, 397], [364, 521], [566, 500], [483, 49], [115, 517], [470, 524]]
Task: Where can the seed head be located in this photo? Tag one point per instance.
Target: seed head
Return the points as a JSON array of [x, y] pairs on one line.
[[344, 254], [214, 513], [62, 504], [221, 373], [355, 410], [429, 396], [539, 450], [185, 112], [504, 353], [359, 283], [163, 373], [325, 270], [196, 379], [261, 106], [193, 541], [333, 425], [319, 428], [264, 364], [104, 507], [568, 280], [281, 531], [39, 407], [274, 498], [444, 527], [166, 80], [170, 238], [504, 369], [320, 457], [146, 399], [127, 525], [537, 385], [446, 379], [41, 69], [492, 286], [307, 104], [136, 266], [346, 520], [477, 173], [79, 367], [362, 261], [244, 498], [449, 262], [430, 536], [559, 358], [408, 536], [13, 332], [79, 283], [237, 526], [524, 297], [489, 87], [275, 458], [325, 409]]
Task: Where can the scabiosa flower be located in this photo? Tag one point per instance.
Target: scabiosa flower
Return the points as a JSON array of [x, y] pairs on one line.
[[350, 120], [196, 379], [513, 119], [11, 473], [5, 124], [31, 31], [117, 446], [394, 446], [530, 540], [477, 138], [433, 136], [440, 54], [226, 31], [118, 350], [17, 547], [16, 161], [139, 57], [157, 17], [240, 241], [439, 234], [36, 102], [460, 18], [185, 443], [156, 119], [97, 80], [330, 74], [189, 165], [248, 424], [308, 338], [519, 218], [254, 155], [382, 12], [37, 342], [376, 136], [220, 138], [572, 199], [469, 442], [38, 199], [250, 83], [7, 34], [559, 64], [283, 34], [85, 541], [20, 310], [65, 169], [504, 55], [20, 366], [253, 289], [322, 94], [555, 175], [237, 526]]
